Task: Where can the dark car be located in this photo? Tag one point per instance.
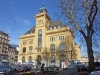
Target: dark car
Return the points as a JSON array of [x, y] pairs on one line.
[[52, 67], [23, 68], [5, 69], [96, 64], [81, 68], [97, 68]]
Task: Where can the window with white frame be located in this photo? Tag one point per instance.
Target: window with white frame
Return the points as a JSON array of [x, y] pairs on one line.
[[61, 37], [58, 26], [52, 39], [52, 47], [50, 28], [30, 48], [54, 27]]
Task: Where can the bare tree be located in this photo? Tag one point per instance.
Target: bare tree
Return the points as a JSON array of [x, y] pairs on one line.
[[82, 16]]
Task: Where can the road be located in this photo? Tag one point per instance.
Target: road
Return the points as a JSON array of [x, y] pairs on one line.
[[72, 71]]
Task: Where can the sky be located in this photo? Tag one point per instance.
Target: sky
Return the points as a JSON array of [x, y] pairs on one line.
[[17, 16]]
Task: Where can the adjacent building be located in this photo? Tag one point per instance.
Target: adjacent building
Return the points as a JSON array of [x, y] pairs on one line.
[[4, 44], [13, 53], [48, 42]]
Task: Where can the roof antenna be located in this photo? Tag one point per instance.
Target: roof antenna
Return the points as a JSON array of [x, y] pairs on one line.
[[42, 3]]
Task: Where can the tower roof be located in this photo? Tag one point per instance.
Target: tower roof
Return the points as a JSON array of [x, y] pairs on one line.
[[42, 9]]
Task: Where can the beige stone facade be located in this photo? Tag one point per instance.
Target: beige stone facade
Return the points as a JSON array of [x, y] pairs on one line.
[[51, 43]]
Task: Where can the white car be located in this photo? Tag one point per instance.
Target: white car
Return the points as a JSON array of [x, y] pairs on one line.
[[2, 73], [95, 73]]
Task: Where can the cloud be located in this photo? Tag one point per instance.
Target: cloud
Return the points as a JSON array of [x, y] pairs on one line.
[[24, 21]]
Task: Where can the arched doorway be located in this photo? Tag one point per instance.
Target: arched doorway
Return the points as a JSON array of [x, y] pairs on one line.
[[52, 59], [63, 62], [38, 60], [23, 59]]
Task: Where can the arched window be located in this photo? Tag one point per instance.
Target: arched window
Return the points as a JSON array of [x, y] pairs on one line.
[[24, 49], [62, 46], [52, 59], [30, 59], [30, 48], [40, 38], [23, 59], [62, 57]]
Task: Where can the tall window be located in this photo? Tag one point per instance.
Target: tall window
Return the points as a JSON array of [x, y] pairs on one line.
[[23, 59], [52, 59], [40, 38], [24, 49], [52, 47], [62, 46], [30, 59], [30, 48]]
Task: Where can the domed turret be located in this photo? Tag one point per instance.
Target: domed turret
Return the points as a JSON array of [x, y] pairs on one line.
[[43, 9]]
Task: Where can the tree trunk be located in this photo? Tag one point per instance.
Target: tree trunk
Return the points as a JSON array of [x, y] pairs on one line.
[[90, 54]]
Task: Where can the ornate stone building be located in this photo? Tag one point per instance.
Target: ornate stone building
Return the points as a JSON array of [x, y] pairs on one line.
[[48, 42]]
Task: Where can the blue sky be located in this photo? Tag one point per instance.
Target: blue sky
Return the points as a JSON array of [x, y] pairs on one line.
[[17, 16]]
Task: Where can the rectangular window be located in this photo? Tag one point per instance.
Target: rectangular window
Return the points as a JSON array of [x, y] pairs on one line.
[[52, 47], [62, 46], [54, 38], [61, 37]]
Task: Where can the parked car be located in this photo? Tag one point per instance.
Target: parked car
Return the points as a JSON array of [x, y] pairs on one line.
[[52, 67], [95, 73], [23, 68], [19, 69], [5, 69], [81, 67], [34, 67], [96, 64], [97, 68]]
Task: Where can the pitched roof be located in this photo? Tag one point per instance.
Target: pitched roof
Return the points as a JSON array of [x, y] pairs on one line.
[[56, 24], [1, 32], [52, 24], [32, 30]]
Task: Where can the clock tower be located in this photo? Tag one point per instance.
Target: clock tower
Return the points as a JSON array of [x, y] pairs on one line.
[[42, 23]]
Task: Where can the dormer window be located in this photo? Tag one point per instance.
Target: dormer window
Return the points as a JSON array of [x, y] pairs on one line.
[[58, 26], [54, 27], [50, 28]]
